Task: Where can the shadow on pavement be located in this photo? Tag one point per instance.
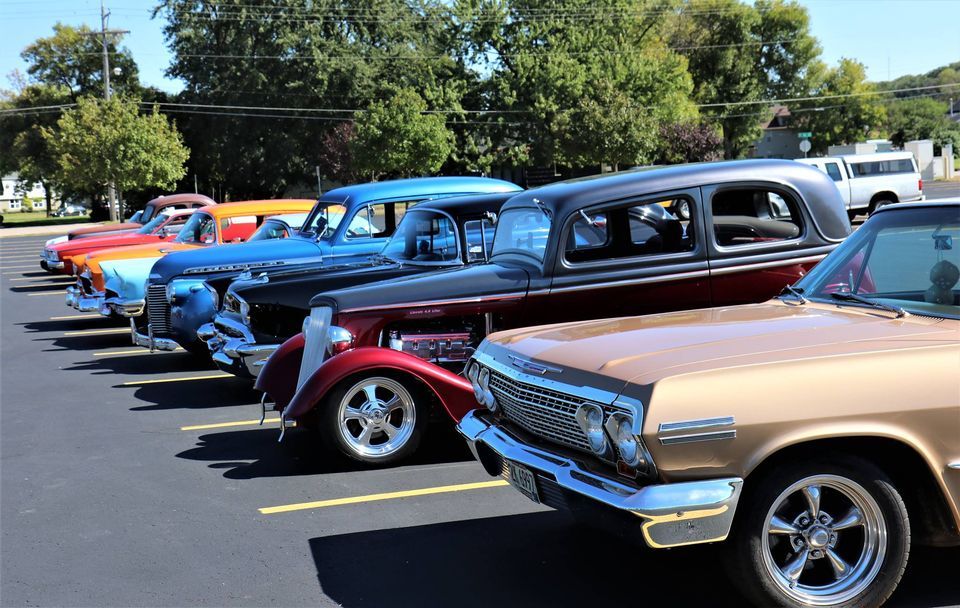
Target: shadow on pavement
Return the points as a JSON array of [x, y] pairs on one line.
[[542, 559], [41, 287], [143, 362], [252, 454], [194, 394]]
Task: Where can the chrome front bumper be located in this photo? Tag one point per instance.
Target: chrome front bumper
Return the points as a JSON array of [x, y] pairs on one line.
[[673, 514], [84, 303], [149, 340], [233, 348], [123, 308], [51, 266]]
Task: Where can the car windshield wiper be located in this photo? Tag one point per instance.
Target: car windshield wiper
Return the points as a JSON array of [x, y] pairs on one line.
[[852, 297], [795, 292], [379, 258]]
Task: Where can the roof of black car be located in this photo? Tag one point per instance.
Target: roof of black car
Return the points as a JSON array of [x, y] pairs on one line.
[[468, 204], [815, 186]]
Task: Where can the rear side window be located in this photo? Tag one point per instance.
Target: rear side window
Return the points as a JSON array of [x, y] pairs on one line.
[[882, 167], [650, 228], [744, 216], [833, 170]]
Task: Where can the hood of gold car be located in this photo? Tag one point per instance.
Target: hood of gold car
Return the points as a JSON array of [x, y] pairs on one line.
[[646, 349]]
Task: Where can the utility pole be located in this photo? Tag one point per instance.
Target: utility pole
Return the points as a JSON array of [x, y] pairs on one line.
[[103, 33]]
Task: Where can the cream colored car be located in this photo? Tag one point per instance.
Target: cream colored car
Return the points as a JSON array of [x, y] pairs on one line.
[[819, 431]]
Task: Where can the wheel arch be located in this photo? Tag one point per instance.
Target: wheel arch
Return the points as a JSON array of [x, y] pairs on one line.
[[934, 518]]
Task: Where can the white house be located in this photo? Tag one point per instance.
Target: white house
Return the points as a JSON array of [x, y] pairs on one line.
[[12, 195]]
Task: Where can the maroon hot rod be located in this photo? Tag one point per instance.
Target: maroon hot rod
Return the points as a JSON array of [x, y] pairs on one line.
[[592, 248]]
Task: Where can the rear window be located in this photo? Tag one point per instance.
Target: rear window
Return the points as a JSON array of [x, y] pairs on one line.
[[881, 167], [743, 216]]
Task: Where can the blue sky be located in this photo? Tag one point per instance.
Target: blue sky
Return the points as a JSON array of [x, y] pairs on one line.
[[891, 37]]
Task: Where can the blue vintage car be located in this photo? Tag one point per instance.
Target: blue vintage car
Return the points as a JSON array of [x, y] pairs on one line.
[[347, 225]]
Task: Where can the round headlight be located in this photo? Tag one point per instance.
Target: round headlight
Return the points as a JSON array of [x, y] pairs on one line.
[[472, 370], [170, 291], [245, 310], [627, 442], [485, 396], [590, 417]]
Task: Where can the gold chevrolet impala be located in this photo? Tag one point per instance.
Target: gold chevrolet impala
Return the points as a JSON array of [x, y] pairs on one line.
[[818, 434]]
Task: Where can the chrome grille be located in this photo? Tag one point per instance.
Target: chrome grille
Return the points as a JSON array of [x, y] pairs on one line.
[[158, 310], [541, 411]]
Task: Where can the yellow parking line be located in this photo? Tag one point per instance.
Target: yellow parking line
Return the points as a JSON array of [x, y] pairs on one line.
[[70, 279], [336, 502], [69, 317], [31, 266], [97, 332], [18, 258], [50, 293], [162, 380], [133, 352], [223, 425]]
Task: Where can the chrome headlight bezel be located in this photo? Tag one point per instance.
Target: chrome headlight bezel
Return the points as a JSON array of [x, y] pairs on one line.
[[590, 418], [338, 340], [179, 290]]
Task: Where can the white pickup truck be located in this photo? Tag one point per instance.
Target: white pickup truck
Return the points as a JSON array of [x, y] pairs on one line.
[[869, 181]]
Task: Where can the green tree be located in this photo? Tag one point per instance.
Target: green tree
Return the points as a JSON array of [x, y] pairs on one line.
[[110, 141], [849, 113], [557, 63], [919, 118], [739, 54], [335, 56], [396, 137]]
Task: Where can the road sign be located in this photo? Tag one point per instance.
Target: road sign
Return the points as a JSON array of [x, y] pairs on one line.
[[805, 135], [804, 146]]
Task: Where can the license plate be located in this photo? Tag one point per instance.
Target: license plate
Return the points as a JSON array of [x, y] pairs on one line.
[[523, 480]]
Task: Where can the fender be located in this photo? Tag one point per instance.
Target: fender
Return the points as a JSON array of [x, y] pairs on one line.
[[452, 391], [278, 378]]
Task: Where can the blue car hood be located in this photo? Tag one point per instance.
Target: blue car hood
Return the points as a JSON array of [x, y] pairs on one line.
[[212, 260]]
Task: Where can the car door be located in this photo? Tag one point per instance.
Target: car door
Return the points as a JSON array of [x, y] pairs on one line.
[[628, 257], [367, 229], [760, 238]]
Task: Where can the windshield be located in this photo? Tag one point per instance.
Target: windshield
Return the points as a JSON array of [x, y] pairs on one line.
[[423, 236], [200, 229], [153, 224], [324, 219], [908, 259], [522, 231], [147, 214]]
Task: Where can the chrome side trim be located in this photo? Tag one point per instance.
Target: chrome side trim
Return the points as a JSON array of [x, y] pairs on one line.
[[700, 423], [762, 265], [712, 436], [954, 465], [422, 304], [660, 278]]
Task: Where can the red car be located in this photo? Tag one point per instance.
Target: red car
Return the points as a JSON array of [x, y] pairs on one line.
[[163, 227], [587, 249]]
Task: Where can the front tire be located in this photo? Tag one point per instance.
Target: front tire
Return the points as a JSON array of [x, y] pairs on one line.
[[377, 420], [821, 533]]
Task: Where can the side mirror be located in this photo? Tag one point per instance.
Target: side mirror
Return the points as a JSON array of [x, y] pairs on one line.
[[162, 233]]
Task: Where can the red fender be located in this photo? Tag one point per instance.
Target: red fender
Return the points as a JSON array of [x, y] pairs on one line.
[[452, 391], [278, 378]]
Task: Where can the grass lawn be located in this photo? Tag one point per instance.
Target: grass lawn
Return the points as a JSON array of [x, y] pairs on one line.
[[39, 219]]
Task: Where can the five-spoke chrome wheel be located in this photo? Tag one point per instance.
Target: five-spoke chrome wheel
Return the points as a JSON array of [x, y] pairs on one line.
[[826, 540], [377, 417]]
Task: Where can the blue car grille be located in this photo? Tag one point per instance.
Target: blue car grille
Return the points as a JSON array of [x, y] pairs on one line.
[[158, 310]]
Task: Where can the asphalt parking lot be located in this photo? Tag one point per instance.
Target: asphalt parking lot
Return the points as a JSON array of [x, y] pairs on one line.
[[136, 479]]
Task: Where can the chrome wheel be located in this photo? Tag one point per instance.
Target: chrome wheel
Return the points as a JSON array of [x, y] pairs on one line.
[[826, 539], [376, 417]]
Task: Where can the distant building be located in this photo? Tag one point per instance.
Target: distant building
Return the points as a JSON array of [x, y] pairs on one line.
[[779, 139], [12, 195]]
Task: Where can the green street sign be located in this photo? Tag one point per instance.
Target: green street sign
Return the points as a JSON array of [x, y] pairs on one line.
[[805, 135]]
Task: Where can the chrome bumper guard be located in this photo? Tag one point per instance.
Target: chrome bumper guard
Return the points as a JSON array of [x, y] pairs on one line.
[[673, 514], [82, 302], [149, 340], [123, 308], [237, 355], [51, 266]]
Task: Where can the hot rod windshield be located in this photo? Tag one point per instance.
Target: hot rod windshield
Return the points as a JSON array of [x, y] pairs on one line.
[[324, 219], [424, 236], [200, 229], [907, 259], [153, 224], [522, 232]]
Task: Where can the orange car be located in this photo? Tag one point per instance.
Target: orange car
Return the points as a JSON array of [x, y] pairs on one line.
[[215, 225]]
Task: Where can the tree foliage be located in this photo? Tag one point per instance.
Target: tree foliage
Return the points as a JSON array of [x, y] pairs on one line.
[[102, 141], [921, 118], [739, 54], [848, 113], [396, 138], [688, 142]]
